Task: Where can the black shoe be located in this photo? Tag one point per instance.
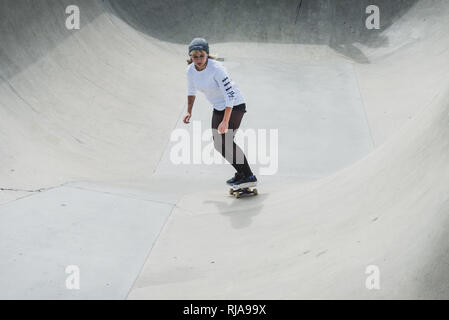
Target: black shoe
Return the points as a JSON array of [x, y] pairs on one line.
[[246, 182], [236, 177]]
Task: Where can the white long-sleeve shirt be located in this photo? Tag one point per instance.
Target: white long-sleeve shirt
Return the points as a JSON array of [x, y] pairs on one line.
[[216, 85]]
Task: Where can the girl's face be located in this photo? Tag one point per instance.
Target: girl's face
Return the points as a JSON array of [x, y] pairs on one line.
[[199, 59]]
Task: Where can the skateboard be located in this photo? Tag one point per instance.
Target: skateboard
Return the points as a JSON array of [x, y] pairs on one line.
[[243, 192]]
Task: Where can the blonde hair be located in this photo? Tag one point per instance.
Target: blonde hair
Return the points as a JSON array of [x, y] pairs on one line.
[[189, 61]]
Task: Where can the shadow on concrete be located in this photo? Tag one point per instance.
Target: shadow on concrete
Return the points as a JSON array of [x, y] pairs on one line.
[[338, 24], [30, 29], [240, 218]]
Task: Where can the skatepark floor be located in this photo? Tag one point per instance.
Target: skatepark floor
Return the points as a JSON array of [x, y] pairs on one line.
[[87, 177]]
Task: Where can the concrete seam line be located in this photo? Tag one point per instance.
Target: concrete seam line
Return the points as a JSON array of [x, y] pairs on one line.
[[168, 140], [32, 192], [121, 195], [150, 251], [363, 105]]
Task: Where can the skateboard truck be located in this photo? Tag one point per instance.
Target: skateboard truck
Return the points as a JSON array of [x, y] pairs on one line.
[[243, 192]]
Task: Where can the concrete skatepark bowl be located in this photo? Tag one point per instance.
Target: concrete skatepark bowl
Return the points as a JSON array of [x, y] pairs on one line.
[[361, 180]]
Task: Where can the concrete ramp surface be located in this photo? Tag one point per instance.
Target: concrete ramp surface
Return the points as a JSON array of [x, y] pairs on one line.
[[92, 205]]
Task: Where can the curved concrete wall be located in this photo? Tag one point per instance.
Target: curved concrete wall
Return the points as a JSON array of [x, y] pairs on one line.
[[366, 111]]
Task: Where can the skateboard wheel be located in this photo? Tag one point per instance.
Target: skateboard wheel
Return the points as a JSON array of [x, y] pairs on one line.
[[237, 195], [255, 192], [231, 192]]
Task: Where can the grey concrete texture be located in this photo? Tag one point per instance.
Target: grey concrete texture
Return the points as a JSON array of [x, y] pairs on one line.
[[86, 178], [44, 234]]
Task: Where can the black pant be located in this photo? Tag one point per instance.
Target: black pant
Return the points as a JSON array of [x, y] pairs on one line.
[[225, 144]]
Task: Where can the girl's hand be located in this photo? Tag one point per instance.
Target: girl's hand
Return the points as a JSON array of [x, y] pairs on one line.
[[223, 127], [187, 118]]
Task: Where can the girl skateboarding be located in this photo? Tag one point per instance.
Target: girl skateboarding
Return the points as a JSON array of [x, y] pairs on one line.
[[209, 76]]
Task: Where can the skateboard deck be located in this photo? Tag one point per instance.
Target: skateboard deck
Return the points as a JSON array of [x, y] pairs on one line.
[[243, 192]]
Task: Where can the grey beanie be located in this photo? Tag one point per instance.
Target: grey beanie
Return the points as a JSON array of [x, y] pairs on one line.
[[199, 44]]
